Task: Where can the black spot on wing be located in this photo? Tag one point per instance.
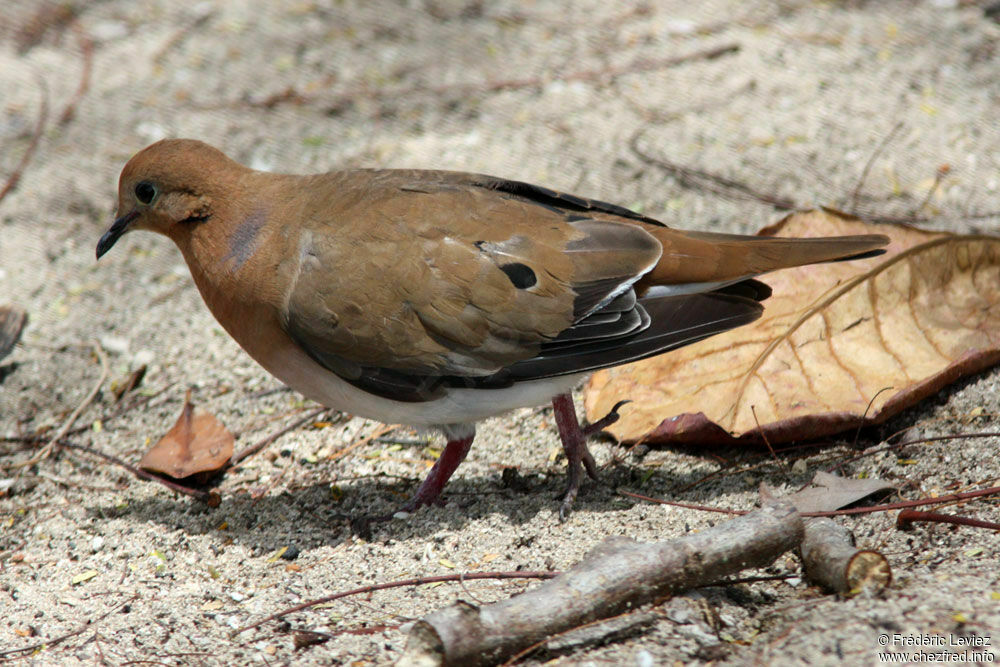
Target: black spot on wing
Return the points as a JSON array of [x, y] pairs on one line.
[[521, 276]]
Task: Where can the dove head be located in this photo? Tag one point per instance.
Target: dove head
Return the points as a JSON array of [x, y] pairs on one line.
[[171, 187]]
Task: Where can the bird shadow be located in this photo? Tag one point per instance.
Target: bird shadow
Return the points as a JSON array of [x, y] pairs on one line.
[[309, 513], [310, 516]]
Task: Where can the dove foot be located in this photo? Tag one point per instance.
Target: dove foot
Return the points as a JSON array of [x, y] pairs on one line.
[[574, 441]]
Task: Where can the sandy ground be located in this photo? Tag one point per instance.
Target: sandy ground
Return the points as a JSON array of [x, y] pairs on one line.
[[541, 91]]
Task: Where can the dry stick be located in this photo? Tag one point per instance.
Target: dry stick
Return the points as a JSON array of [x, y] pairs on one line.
[[264, 442], [619, 574], [43, 117], [903, 504], [118, 412], [382, 94], [832, 560], [419, 581], [182, 34], [907, 517], [677, 503], [857, 434], [899, 445], [340, 453], [47, 449], [702, 180], [697, 179], [210, 498], [48, 643], [781, 464], [939, 175], [87, 49], [871, 160], [940, 500]]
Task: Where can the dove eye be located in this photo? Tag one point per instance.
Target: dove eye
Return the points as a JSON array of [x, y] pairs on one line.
[[144, 192]]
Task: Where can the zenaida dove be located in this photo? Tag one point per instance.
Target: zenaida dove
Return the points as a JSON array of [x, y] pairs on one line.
[[437, 298]]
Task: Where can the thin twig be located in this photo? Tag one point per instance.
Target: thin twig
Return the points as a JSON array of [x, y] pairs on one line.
[[43, 117], [868, 165], [903, 504], [47, 449], [264, 442], [48, 643], [898, 445], [210, 498], [914, 219], [340, 453], [763, 434], [418, 581], [857, 434], [87, 50], [181, 34], [906, 517], [697, 179], [675, 503], [939, 175], [77, 485], [291, 96]]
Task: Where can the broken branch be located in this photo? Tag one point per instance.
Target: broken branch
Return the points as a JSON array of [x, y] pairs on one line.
[[619, 574], [832, 560]]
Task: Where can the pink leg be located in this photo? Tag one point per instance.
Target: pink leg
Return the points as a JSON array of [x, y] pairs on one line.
[[574, 444], [430, 490]]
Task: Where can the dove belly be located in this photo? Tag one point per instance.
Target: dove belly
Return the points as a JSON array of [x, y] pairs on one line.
[[458, 405]]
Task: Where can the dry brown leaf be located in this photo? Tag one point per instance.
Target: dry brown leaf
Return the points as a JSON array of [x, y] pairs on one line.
[[836, 342], [198, 444], [828, 492]]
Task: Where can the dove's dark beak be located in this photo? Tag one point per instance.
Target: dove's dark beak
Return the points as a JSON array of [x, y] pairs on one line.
[[115, 232]]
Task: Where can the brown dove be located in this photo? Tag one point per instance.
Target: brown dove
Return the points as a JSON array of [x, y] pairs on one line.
[[437, 298]]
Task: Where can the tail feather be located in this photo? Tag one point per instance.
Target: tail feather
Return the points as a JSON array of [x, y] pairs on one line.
[[705, 257]]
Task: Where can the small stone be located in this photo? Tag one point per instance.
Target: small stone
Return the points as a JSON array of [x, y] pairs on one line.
[[114, 344]]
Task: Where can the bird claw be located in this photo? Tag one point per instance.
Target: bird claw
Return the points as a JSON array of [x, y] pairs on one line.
[[574, 439], [605, 421]]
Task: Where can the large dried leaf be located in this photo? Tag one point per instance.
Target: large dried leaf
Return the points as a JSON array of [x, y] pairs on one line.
[[198, 444], [837, 342]]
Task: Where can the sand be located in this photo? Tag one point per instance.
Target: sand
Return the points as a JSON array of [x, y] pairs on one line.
[[796, 104]]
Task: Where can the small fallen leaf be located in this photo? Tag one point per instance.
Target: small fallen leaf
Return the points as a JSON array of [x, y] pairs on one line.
[[839, 345], [827, 492], [83, 576], [198, 444]]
